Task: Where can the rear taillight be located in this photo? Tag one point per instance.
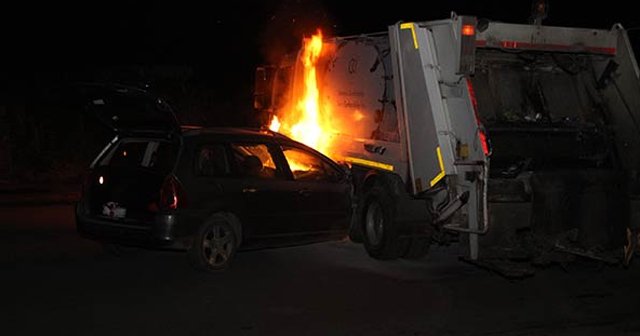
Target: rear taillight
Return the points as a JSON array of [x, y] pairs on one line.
[[481, 132], [172, 195]]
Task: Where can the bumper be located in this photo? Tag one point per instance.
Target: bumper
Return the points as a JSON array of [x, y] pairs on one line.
[[158, 233]]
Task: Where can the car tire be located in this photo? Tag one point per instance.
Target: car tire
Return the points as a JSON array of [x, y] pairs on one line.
[[379, 230], [214, 246]]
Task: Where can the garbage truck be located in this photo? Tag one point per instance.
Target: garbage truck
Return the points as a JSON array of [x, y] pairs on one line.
[[520, 140]]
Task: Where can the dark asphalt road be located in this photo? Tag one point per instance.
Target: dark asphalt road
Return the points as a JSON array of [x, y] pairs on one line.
[[56, 283]]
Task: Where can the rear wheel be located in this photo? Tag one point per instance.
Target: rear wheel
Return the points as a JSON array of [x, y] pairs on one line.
[[214, 246], [380, 232]]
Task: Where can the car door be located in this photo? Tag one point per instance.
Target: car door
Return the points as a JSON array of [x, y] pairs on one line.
[[213, 186], [270, 201], [324, 193]]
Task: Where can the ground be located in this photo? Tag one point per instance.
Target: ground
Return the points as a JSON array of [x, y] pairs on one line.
[[55, 282]]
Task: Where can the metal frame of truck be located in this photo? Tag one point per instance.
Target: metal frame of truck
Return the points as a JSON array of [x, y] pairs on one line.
[[437, 174]]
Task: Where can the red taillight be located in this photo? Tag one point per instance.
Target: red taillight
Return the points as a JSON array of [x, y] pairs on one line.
[[172, 194], [483, 142], [481, 133]]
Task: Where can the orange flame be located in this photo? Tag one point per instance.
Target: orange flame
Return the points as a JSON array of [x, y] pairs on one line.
[[304, 122], [275, 124]]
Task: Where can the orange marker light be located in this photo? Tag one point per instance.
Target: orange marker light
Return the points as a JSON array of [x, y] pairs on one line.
[[468, 30]]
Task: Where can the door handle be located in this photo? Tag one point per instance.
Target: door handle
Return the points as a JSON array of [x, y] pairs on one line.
[[249, 190]]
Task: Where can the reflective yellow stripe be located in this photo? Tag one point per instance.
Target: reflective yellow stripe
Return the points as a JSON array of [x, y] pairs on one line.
[[441, 175], [368, 163], [413, 32]]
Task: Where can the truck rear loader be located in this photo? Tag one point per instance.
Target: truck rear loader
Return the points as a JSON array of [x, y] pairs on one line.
[[523, 140]]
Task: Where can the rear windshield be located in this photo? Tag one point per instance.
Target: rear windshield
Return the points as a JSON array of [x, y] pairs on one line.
[[153, 154]]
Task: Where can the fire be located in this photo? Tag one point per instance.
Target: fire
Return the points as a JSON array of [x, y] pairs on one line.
[[304, 121], [275, 124]]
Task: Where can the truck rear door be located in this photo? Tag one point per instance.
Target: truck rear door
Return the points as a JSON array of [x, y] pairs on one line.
[[439, 120]]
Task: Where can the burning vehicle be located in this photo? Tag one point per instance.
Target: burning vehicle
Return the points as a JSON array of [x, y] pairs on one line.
[[522, 140]]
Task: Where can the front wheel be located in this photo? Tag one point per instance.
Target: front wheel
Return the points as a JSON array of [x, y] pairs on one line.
[[380, 232], [214, 245]]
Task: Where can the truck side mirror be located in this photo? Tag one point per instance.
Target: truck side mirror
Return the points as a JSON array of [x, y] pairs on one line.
[[263, 84]]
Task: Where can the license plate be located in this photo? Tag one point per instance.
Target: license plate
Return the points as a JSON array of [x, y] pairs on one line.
[[113, 210]]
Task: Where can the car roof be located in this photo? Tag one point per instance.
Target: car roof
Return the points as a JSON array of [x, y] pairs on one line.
[[239, 131], [245, 133]]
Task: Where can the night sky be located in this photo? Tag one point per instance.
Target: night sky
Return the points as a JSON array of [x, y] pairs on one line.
[[198, 56], [218, 49], [89, 34]]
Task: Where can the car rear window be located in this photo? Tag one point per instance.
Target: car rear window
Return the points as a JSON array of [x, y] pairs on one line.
[[155, 155]]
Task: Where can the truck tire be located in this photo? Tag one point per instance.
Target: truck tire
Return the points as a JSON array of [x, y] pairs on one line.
[[380, 232]]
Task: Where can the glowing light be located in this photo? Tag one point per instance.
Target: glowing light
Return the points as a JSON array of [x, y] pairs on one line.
[[468, 30], [174, 203], [481, 133], [101, 180]]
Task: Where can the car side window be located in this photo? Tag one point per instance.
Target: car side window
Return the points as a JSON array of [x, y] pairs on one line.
[[255, 161], [211, 160], [306, 166]]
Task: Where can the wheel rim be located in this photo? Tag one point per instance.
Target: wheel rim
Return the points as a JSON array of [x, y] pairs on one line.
[[374, 223], [217, 245]]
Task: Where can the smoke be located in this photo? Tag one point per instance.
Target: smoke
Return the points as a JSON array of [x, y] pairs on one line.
[[290, 21]]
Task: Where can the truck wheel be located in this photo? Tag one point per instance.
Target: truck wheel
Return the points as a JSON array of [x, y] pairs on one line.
[[418, 248], [214, 245], [380, 234]]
